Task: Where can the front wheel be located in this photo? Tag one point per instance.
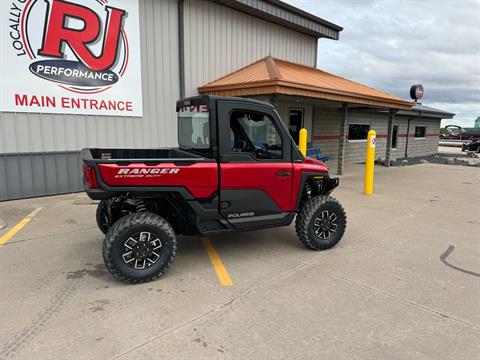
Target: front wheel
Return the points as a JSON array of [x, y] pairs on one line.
[[321, 223], [139, 247]]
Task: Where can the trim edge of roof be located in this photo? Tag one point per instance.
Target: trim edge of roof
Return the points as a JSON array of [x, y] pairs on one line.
[[281, 87], [286, 15]]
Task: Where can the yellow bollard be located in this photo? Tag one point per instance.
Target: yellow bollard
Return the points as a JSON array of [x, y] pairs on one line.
[[370, 162], [302, 141]]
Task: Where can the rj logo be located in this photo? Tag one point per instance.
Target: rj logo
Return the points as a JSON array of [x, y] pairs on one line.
[[57, 33]]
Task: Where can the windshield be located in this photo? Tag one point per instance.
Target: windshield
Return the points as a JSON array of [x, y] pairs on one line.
[[194, 127]]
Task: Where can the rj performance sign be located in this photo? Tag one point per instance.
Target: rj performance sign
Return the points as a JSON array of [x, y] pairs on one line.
[[71, 57]]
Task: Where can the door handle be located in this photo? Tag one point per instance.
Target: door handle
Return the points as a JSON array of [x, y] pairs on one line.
[[283, 173]]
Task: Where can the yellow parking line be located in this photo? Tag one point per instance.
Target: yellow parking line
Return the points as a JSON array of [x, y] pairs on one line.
[[217, 263], [19, 226]]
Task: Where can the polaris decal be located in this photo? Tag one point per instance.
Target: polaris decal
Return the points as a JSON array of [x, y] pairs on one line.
[[240, 215], [145, 172], [71, 56]]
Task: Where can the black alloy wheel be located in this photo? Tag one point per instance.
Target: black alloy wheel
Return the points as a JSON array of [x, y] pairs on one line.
[[142, 250], [139, 247], [321, 223]]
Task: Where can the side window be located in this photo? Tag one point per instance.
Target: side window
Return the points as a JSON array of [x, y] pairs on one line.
[[358, 131], [256, 134], [394, 136], [420, 131]]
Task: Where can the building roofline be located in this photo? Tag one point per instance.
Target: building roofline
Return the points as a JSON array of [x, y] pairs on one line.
[[303, 13], [284, 14], [428, 111], [256, 79]]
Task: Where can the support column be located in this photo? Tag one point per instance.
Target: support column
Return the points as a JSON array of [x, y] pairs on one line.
[[391, 118], [342, 140]]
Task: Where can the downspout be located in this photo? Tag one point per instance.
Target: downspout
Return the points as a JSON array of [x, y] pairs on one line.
[[181, 49]]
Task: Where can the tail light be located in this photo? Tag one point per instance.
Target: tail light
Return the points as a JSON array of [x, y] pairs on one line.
[[89, 177]]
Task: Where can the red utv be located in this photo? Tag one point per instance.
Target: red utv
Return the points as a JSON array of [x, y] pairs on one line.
[[236, 169]]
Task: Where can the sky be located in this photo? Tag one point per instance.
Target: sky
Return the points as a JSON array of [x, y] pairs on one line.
[[393, 44]]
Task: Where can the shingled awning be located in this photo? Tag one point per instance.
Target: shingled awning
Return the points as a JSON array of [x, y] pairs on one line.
[[274, 76]]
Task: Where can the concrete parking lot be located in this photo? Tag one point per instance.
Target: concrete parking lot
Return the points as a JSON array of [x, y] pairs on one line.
[[404, 283]]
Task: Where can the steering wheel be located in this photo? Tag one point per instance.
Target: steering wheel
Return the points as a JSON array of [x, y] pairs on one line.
[[240, 146], [261, 154]]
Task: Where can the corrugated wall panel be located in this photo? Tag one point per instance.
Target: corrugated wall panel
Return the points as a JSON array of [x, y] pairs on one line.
[[31, 132], [28, 175], [219, 40]]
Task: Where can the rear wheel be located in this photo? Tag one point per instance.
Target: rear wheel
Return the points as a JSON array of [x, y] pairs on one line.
[[321, 223], [139, 247], [103, 219]]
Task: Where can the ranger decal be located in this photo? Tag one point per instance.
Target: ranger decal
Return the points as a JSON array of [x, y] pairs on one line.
[[145, 172]]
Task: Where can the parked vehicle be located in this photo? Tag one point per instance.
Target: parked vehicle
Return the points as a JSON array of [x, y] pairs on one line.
[[455, 132], [472, 146], [236, 169]]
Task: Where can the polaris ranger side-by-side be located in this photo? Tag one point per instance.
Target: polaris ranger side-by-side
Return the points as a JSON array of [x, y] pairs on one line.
[[236, 168]]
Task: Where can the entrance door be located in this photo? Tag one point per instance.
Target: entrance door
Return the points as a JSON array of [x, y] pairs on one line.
[[295, 124], [256, 171]]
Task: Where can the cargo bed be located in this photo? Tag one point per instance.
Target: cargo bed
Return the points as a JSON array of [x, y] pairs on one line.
[[140, 155]]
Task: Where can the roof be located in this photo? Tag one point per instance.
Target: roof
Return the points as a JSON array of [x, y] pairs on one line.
[[278, 12], [429, 111], [274, 76]]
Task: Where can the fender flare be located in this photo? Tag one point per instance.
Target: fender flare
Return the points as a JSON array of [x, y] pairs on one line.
[[328, 184]]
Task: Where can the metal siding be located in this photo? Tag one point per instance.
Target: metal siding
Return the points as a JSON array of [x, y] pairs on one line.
[[220, 40], [3, 179], [38, 174], [50, 174], [12, 174], [28, 175]]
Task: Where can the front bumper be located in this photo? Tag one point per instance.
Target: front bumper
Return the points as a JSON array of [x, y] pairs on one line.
[[328, 185]]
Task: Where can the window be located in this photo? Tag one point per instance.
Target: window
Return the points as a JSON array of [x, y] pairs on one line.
[[193, 128], [420, 131], [296, 122], [394, 136], [255, 134], [358, 131]]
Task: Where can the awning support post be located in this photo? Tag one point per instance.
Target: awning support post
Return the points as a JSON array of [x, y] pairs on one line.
[[391, 118], [342, 140]]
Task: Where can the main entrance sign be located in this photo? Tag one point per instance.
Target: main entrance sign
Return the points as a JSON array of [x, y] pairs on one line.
[[73, 57]]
